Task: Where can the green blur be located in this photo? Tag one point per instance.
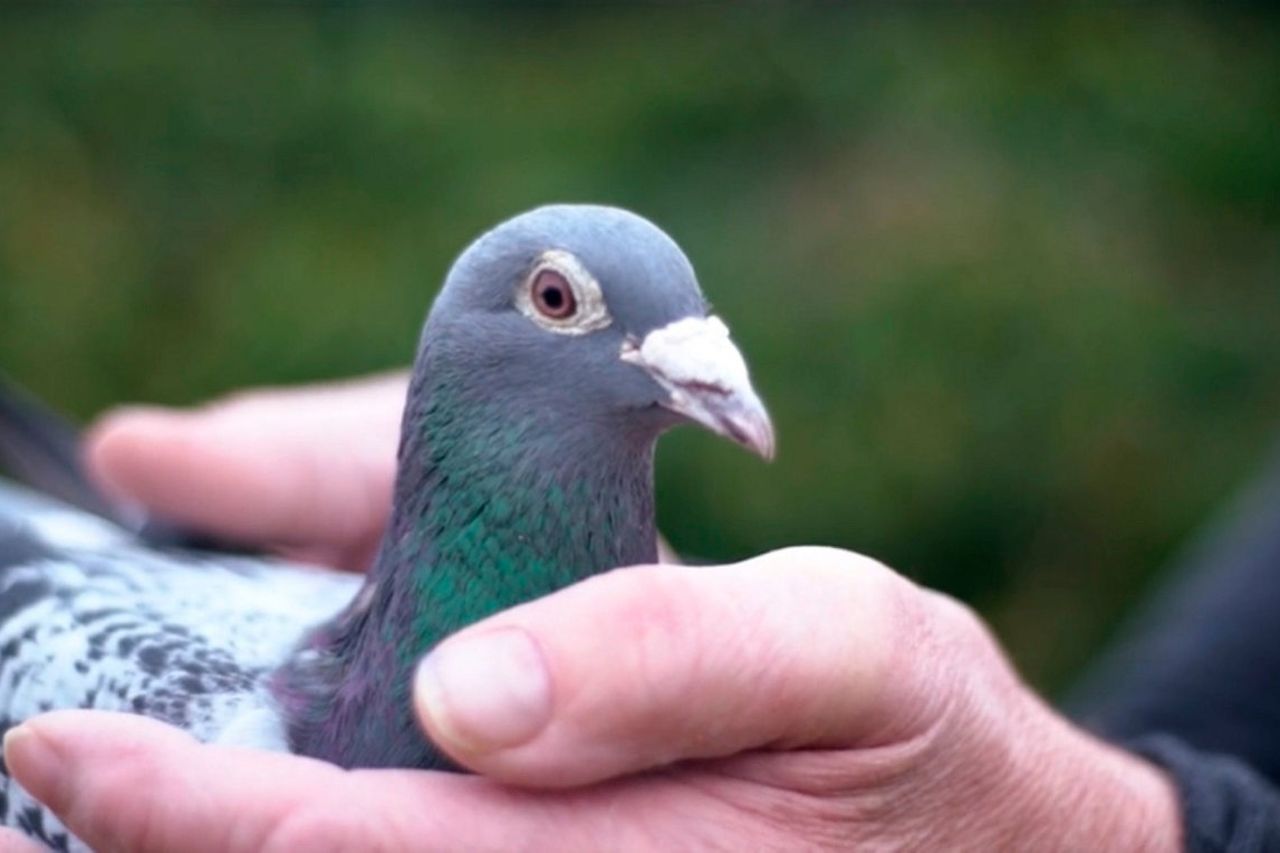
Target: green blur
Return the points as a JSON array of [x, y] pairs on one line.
[[1009, 282]]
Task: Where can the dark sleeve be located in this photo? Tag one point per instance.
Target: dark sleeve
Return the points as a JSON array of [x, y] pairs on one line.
[[1195, 684], [1226, 806]]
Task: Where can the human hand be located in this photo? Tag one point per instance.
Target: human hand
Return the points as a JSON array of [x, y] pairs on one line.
[[809, 698], [772, 716], [306, 471]]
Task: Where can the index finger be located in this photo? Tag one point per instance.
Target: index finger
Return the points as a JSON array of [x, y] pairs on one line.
[[122, 782]]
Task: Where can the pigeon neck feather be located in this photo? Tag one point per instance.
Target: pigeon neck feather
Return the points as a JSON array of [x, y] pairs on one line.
[[493, 507]]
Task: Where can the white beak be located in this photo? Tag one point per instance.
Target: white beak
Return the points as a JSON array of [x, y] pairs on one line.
[[701, 369]]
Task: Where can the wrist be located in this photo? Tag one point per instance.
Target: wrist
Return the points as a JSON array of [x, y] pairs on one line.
[[1011, 773], [1084, 794]]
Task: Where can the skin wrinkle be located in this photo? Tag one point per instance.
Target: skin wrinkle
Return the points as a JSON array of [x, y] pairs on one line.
[[730, 826], [997, 703], [823, 772], [674, 815], [903, 792], [968, 716], [1091, 777], [830, 818], [917, 660], [634, 816], [772, 805]]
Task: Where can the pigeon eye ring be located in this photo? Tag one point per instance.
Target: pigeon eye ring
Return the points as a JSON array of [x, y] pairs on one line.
[[562, 296]]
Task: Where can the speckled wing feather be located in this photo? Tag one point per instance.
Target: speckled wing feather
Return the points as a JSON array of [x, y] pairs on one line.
[[89, 618]]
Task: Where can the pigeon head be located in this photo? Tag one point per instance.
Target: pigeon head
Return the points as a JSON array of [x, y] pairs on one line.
[[563, 343], [590, 315]]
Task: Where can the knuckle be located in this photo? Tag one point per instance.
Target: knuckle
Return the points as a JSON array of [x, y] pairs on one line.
[[846, 580], [878, 607], [957, 627], [835, 562]]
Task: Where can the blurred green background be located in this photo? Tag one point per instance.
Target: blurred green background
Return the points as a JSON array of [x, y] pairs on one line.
[[1010, 282]]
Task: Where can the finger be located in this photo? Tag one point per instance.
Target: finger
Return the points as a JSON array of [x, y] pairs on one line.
[[122, 782], [806, 647], [93, 769], [310, 467], [12, 841]]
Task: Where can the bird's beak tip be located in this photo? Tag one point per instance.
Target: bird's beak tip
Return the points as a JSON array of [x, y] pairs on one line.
[[748, 425], [706, 378]]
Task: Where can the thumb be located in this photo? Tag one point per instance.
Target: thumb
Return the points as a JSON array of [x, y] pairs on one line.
[[642, 667]]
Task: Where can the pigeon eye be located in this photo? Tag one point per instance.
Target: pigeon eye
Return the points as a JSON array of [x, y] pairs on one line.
[[552, 295], [562, 296]]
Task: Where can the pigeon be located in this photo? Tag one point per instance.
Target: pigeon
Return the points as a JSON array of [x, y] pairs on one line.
[[562, 344]]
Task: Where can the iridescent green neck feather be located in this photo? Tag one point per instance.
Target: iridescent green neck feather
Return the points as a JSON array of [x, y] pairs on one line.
[[496, 504]]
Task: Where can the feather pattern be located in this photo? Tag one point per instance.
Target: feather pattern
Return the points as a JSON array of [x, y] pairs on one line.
[[525, 465], [91, 618]]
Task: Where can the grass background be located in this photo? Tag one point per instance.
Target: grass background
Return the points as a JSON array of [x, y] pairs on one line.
[[1010, 281]]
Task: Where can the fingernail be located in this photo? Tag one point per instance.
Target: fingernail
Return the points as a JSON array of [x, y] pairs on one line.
[[485, 692], [30, 759]]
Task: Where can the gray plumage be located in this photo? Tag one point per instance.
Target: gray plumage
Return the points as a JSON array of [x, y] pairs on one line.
[[91, 618], [564, 342]]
